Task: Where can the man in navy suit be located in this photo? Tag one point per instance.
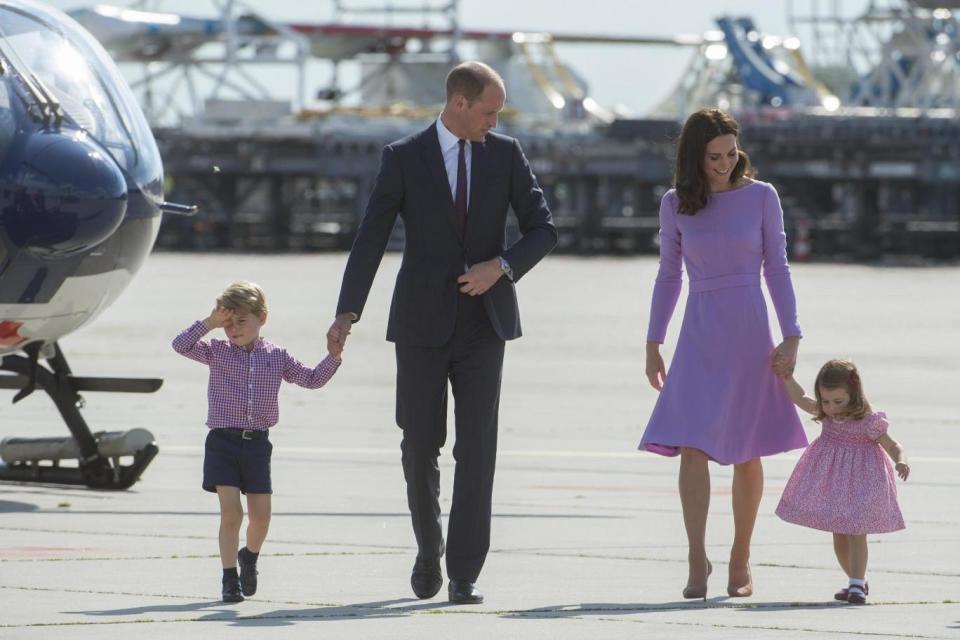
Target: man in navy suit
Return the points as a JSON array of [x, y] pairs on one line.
[[454, 306]]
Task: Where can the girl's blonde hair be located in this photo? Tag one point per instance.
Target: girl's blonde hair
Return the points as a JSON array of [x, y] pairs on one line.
[[243, 297], [842, 374]]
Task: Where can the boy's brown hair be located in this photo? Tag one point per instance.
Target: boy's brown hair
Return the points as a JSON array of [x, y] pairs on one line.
[[243, 297]]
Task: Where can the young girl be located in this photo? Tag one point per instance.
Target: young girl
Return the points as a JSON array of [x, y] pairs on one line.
[[843, 482]]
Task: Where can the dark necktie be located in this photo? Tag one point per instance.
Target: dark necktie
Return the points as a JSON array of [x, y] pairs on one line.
[[460, 202]]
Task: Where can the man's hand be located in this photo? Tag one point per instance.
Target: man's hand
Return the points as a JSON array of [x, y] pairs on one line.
[[785, 357], [480, 277], [219, 317], [338, 332]]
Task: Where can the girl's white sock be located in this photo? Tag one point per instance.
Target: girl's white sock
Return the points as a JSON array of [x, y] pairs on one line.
[[856, 582]]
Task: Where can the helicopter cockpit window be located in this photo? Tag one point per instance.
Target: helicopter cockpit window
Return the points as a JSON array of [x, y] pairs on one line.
[[7, 126], [75, 70]]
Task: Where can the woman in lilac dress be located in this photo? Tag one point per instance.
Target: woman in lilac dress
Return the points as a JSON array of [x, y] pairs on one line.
[[721, 399]]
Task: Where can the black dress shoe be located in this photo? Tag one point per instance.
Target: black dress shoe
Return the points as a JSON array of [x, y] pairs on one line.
[[231, 590], [426, 578], [248, 572], [464, 592]]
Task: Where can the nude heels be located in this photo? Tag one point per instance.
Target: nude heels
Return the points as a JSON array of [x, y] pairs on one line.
[[743, 590], [698, 592]]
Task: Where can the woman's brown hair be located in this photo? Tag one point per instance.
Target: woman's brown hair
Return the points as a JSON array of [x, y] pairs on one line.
[[691, 184], [842, 374]]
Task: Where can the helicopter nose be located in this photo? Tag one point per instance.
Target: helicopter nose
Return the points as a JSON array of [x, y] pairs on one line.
[[68, 195]]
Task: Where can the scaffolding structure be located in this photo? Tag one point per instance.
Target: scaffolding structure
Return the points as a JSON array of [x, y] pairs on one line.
[[177, 64], [903, 54], [875, 178]]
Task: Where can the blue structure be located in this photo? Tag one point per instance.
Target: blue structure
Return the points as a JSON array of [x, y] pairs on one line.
[[772, 80]]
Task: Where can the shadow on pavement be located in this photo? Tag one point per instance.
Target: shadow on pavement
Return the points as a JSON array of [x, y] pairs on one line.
[[9, 506], [218, 610], [382, 609], [614, 608]]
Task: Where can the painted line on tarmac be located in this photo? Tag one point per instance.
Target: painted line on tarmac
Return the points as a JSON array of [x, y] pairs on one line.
[[572, 553], [199, 556], [300, 452]]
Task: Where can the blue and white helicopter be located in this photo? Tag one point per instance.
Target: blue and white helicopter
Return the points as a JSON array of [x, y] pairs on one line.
[[81, 197]]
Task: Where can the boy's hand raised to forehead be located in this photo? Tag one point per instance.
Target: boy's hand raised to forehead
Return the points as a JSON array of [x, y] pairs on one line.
[[219, 317]]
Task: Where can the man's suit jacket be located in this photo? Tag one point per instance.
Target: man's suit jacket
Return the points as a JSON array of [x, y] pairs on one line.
[[413, 183]]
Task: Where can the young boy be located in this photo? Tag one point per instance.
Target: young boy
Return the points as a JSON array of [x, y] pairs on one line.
[[245, 376]]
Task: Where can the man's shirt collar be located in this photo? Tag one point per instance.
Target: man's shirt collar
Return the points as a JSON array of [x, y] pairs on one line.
[[447, 139]]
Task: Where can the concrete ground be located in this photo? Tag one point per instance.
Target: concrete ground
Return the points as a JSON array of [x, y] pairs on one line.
[[587, 533]]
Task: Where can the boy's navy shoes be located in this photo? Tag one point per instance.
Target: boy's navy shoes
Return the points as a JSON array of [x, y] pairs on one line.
[[248, 571], [231, 590]]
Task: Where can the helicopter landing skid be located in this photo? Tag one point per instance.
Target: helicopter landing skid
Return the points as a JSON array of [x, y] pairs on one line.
[[98, 454]]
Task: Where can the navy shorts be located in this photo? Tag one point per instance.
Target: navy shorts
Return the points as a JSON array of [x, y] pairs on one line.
[[233, 460]]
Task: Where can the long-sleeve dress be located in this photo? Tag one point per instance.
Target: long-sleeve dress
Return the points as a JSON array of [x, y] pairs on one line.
[[721, 395]]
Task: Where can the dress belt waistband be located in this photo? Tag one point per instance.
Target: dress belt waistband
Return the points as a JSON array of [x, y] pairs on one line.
[[725, 282]]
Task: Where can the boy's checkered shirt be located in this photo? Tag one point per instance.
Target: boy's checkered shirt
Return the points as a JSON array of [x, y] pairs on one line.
[[243, 387]]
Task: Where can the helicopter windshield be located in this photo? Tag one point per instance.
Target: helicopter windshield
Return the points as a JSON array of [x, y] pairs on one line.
[[69, 64], [7, 126]]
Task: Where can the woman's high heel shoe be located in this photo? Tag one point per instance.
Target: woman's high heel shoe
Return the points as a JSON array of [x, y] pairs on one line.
[[743, 590], [698, 593]]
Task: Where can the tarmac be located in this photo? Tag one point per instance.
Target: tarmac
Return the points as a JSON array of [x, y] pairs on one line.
[[588, 540]]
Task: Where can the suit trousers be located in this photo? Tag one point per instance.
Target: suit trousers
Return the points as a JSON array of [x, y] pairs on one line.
[[472, 362]]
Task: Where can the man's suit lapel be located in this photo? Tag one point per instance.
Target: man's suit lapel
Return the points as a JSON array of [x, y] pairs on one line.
[[433, 159]]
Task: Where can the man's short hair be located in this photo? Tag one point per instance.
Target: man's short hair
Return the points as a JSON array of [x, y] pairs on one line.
[[469, 79]]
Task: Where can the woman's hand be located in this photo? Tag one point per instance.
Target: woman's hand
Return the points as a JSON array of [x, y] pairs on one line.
[[656, 371], [785, 356]]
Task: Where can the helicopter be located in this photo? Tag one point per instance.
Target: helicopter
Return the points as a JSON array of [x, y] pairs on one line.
[[81, 199]]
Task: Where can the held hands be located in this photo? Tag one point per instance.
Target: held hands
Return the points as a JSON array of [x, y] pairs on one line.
[[903, 470], [785, 357], [219, 317], [656, 371], [480, 277], [337, 334]]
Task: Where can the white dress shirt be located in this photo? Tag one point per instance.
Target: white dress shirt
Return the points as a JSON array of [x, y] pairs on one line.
[[450, 148]]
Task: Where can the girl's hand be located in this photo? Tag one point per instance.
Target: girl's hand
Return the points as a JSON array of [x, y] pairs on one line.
[[336, 351], [219, 317], [656, 371], [903, 470]]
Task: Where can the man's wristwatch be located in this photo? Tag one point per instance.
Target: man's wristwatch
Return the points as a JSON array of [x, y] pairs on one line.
[[505, 267]]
